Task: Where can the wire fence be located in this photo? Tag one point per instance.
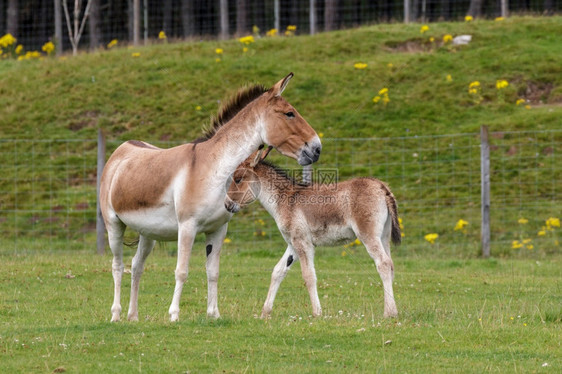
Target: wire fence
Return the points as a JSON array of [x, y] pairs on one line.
[[34, 22], [48, 192]]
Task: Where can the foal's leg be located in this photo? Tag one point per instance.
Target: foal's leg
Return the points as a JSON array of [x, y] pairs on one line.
[[279, 273], [306, 256], [145, 247], [383, 262], [115, 231], [186, 236], [213, 248]]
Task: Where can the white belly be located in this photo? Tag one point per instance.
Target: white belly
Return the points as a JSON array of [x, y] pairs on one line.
[[156, 223]]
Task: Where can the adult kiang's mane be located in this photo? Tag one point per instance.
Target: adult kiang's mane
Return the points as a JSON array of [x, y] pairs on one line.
[[233, 106]]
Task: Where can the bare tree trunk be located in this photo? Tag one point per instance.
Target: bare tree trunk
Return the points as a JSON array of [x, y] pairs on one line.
[[167, 17], [58, 26], [312, 17], [549, 7], [241, 17], [188, 18], [76, 34], [95, 24], [445, 10], [223, 13], [475, 8], [259, 11], [2, 17], [13, 18], [136, 22], [130, 19], [415, 10], [330, 14]]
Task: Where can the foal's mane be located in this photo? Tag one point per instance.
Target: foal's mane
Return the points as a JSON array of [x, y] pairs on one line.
[[227, 111], [283, 174]]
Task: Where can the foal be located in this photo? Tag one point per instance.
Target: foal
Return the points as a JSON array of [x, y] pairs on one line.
[[321, 214]]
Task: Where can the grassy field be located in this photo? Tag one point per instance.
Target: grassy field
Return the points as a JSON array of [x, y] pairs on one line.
[[455, 316]]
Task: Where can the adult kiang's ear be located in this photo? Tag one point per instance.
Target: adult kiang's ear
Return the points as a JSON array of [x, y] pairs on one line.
[[279, 87]]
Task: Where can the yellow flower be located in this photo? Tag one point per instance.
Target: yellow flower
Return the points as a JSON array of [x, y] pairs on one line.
[[461, 223], [219, 51], [245, 49], [424, 28], [135, 54], [516, 244], [357, 242], [431, 39], [227, 240], [527, 107], [502, 83], [383, 91], [344, 253], [400, 224], [48, 48], [447, 38], [255, 30], [431, 237], [162, 35], [7, 40], [449, 78], [474, 84], [272, 32], [541, 233], [376, 99], [526, 241], [291, 28], [519, 101], [522, 220], [360, 65], [468, 18], [246, 39], [498, 19], [320, 134], [198, 107], [390, 65], [530, 247], [552, 222], [112, 43], [217, 59], [385, 99], [19, 49]]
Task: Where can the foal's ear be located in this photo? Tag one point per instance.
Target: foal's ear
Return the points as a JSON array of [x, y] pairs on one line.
[[279, 87], [259, 155]]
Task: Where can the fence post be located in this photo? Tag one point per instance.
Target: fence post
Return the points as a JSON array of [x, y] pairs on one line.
[[100, 227], [485, 186], [277, 16]]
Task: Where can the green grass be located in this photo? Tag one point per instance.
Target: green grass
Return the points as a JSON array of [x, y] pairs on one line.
[[455, 316]]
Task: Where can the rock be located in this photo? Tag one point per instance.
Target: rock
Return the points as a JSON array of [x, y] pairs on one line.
[[462, 39]]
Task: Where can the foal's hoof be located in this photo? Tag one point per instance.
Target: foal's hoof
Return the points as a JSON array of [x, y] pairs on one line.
[[174, 317], [392, 314], [133, 318]]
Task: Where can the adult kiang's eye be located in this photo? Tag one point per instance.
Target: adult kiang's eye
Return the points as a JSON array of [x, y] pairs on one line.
[[290, 114]]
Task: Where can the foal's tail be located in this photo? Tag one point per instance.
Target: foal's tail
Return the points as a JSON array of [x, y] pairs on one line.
[[395, 233]]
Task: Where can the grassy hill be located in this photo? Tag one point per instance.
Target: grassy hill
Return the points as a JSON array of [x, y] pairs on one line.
[[157, 94], [167, 92]]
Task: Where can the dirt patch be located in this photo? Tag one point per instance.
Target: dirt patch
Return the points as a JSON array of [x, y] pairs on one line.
[[536, 92], [85, 119]]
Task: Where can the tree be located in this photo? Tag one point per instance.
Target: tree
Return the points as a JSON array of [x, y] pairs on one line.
[[331, 8], [475, 8], [95, 24], [13, 18], [188, 18], [75, 33], [241, 17]]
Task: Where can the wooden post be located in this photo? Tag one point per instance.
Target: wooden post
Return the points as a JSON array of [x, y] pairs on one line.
[[100, 226], [312, 16], [145, 21], [406, 11], [485, 190], [504, 8]]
